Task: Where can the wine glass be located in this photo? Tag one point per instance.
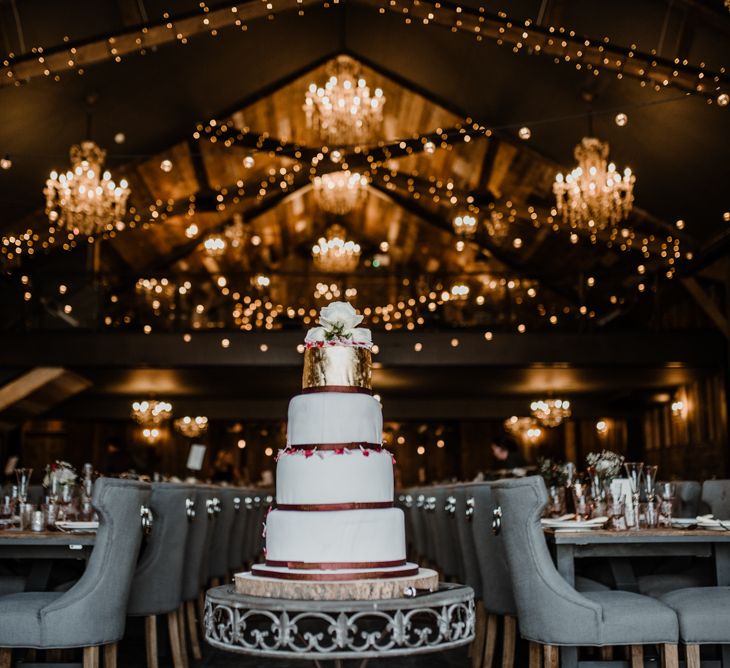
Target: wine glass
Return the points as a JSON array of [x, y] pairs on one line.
[[582, 500], [666, 492], [23, 477], [634, 471]]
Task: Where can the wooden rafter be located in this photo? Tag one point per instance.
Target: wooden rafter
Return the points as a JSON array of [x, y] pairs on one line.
[[135, 39], [486, 247], [561, 43]]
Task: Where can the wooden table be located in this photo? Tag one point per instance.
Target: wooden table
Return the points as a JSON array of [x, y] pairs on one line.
[[618, 547], [43, 548]]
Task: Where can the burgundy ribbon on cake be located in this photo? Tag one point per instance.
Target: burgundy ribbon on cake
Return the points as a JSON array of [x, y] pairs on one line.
[[335, 566], [337, 388], [314, 507], [336, 577], [353, 445]]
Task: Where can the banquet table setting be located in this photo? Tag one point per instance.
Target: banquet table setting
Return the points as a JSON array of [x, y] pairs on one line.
[[364, 334]]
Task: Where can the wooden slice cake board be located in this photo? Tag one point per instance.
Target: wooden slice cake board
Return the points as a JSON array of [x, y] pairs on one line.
[[323, 590]]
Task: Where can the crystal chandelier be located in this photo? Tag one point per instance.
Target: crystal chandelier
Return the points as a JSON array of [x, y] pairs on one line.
[[215, 245], [344, 111], [192, 427], [156, 292], [551, 412], [334, 253], [84, 200], [497, 226], [459, 291], [525, 428], [340, 192], [465, 225], [594, 195], [151, 412], [151, 434]]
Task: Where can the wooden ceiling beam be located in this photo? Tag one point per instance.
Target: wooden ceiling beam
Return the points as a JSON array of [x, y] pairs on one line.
[[708, 305], [130, 40], [486, 246], [560, 43], [267, 204]]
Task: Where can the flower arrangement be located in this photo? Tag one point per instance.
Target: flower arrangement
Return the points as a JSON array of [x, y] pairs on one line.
[[339, 324], [552, 472], [61, 472], [604, 465]]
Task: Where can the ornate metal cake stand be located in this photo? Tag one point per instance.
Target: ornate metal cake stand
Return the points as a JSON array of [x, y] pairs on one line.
[[339, 630]]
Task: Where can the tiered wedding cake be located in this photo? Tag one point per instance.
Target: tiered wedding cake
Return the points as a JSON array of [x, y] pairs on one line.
[[334, 517]]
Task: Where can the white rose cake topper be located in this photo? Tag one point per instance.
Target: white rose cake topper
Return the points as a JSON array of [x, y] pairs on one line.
[[339, 325]]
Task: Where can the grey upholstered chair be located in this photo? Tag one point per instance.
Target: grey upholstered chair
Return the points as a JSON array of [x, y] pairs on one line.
[[703, 614], [157, 585], [687, 498], [236, 556], [498, 600], [252, 507], [464, 514], [93, 612], [447, 556], [218, 553], [716, 497], [419, 529], [198, 539], [428, 510], [553, 613]]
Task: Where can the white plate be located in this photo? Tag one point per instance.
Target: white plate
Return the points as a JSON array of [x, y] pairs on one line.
[[595, 523], [684, 521], [77, 526]]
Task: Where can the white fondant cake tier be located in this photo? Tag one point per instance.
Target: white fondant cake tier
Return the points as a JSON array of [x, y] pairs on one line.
[[355, 537], [328, 477], [334, 417]]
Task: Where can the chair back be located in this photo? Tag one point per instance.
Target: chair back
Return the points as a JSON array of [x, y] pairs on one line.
[[419, 528], [442, 531], [225, 515], [454, 556], [496, 582], [688, 494], [195, 545], [548, 608], [236, 557], [716, 497], [158, 580], [464, 515], [94, 610], [211, 512]]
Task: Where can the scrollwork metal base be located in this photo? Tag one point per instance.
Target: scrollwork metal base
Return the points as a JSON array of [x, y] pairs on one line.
[[430, 622]]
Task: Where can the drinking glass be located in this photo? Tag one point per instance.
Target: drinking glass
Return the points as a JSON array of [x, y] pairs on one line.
[[23, 477], [650, 481], [54, 488], [556, 501], [649, 515], [666, 492], [634, 472], [26, 514], [615, 512], [7, 511], [582, 500], [569, 469]]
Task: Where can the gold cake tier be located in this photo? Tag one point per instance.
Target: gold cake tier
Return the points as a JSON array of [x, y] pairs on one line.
[[337, 367]]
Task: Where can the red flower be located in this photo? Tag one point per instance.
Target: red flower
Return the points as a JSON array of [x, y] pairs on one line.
[[365, 452], [339, 451], [308, 453]]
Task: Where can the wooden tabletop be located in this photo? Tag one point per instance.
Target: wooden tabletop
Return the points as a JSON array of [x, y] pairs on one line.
[[15, 537], [639, 536]]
